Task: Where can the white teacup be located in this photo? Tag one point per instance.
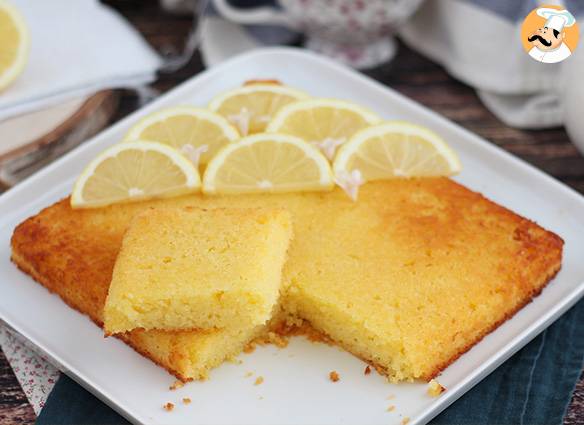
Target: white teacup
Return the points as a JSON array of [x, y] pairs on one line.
[[357, 32]]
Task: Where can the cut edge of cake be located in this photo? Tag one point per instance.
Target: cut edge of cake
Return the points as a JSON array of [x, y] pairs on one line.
[[288, 324]]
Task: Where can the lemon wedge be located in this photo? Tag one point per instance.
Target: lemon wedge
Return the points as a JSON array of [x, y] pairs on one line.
[[14, 44], [197, 133], [134, 171], [268, 162], [392, 149], [252, 106], [324, 123]]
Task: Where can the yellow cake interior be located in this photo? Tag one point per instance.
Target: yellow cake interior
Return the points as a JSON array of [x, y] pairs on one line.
[[192, 354], [190, 268]]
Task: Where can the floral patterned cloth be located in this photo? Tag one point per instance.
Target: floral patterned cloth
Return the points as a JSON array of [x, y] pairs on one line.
[[34, 373]]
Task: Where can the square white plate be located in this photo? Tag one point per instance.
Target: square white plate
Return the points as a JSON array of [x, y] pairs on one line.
[[296, 387]]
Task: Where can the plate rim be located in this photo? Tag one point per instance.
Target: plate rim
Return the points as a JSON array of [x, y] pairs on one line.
[[433, 409]]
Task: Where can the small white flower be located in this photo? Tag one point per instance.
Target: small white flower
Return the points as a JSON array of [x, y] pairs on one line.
[[194, 154], [329, 146], [241, 120], [265, 184], [350, 182], [134, 191], [398, 172]]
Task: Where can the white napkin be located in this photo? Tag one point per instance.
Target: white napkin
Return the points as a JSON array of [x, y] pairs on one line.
[[478, 42], [77, 47]]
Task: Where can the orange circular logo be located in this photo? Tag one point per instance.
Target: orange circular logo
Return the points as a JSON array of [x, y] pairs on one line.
[[550, 34]]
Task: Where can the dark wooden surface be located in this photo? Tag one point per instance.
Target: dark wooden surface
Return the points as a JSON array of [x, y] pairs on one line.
[[14, 407], [410, 74]]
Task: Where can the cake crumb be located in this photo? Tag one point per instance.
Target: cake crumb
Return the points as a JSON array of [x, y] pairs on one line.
[[334, 376], [176, 385], [186, 400], [434, 388], [297, 327], [382, 372], [367, 370], [278, 340], [391, 408], [168, 407], [259, 380], [249, 348], [248, 374], [405, 421]]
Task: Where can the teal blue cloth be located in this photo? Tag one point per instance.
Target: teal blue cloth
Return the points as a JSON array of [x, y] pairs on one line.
[[534, 387]]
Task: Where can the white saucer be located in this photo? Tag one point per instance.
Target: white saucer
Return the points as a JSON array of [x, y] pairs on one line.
[[22, 130]]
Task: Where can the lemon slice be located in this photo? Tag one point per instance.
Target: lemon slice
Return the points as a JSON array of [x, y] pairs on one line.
[[197, 133], [393, 149], [268, 162], [324, 123], [251, 107], [134, 171], [14, 43]]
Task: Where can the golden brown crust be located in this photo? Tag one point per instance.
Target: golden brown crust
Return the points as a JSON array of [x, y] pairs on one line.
[[167, 366], [44, 252], [439, 368], [26, 268]]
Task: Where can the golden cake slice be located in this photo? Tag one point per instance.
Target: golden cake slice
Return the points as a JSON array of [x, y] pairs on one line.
[[408, 278], [181, 269]]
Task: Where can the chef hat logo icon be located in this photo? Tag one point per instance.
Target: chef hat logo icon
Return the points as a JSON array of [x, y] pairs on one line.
[[550, 34]]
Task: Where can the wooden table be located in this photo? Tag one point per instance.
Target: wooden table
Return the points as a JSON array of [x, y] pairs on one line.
[[410, 74]]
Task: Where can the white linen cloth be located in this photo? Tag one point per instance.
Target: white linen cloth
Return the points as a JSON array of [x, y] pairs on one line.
[[77, 47], [478, 42]]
